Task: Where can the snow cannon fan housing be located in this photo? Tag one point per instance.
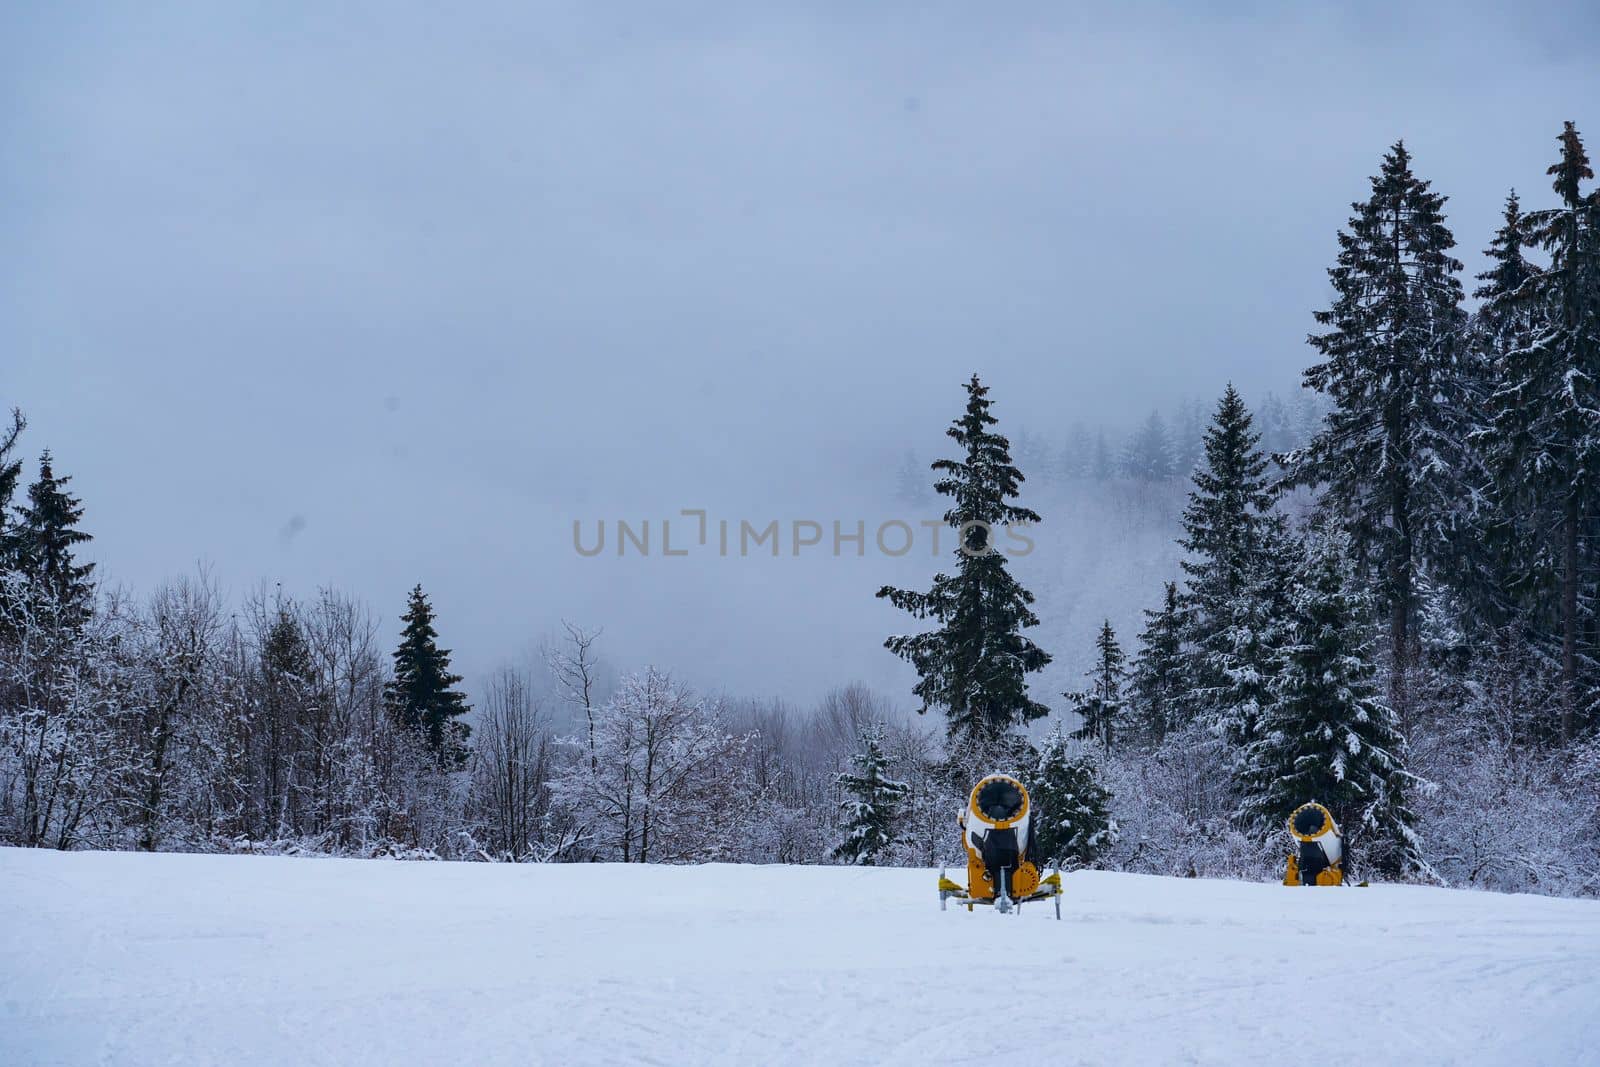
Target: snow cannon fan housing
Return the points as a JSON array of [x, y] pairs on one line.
[[998, 833], [1319, 856]]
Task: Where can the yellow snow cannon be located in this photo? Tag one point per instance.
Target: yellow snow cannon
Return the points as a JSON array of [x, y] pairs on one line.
[[997, 834], [1320, 857]]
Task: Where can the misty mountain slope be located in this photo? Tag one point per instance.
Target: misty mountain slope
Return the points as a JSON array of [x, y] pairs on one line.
[[1102, 552], [134, 958]]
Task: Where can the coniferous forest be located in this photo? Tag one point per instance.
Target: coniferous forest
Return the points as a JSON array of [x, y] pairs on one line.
[[1388, 602]]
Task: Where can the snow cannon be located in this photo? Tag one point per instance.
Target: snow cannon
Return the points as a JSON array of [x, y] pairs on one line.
[[1319, 858], [997, 834]]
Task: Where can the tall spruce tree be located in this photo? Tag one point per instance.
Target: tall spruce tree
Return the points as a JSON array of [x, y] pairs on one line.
[[1160, 690], [1389, 454], [1231, 538], [422, 696], [1071, 808], [1545, 416], [46, 536], [1228, 509], [975, 665], [1103, 706], [872, 807], [1504, 571], [1329, 737]]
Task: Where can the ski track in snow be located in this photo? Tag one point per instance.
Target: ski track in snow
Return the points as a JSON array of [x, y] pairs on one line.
[[123, 958]]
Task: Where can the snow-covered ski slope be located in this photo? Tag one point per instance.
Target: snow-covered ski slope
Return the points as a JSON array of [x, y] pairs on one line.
[[120, 958]]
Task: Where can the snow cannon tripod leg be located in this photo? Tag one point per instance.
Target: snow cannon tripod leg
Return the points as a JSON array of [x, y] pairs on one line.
[[948, 889]]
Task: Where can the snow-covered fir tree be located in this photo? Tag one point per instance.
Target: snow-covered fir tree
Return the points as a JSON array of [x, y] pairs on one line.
[[872, 804], [1504, 320], [422, 696], [1103, 706], [1161, 696], [1389, 457], [46, 536], [1228, 510], [1543, 431], [1328, 736], [974, 666], [1500, 580], [1241, 660], [1233, 544], [1072, 809]]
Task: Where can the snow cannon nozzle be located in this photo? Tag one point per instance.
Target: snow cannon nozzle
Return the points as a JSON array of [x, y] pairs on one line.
[[999, 799], [1309, 822]]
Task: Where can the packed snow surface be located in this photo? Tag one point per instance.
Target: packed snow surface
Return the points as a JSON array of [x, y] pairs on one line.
[[124, 958]]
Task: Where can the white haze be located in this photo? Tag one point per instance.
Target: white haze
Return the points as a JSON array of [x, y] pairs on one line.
[[382, 295]]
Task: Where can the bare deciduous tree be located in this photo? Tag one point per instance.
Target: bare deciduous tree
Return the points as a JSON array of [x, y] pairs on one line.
[[577, 672], [510, 770]]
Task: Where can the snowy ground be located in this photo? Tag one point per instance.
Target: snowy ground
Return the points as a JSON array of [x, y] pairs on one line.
[[130, 959]]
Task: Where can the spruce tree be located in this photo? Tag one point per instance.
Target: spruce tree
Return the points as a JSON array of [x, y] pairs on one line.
[[1232, 540], [1228, 511], [46, 535], [1545, 416], [422, 696], [1499, 578], [1160, 691], [1329, 737], [975, 665], [1103, 705], [1073, 823], [1241, 658], [872, 810], [1503, 319], [1390, 453]]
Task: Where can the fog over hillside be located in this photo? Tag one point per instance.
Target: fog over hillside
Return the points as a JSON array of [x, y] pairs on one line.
[[394, 297]]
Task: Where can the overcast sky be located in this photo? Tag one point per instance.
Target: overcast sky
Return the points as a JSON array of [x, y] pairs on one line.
[[372, 294]]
